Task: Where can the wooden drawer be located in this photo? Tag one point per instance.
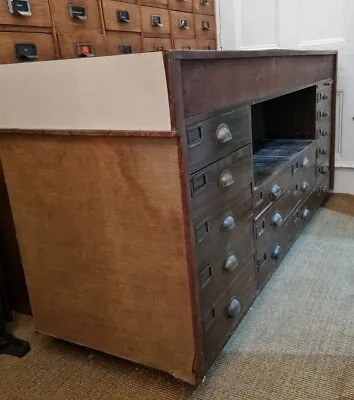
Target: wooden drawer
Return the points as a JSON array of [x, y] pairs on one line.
[[77, 16], [155, 21], [205, 26], [156, 44], [40, 43], [221, 182], [123, 43], [69, 45], [323, 115], [182, 24], [39, 10], [204, 7], [270, 223], [214, 138], [205, 44], [181, 5], [324, 85], [323, 149], [121, 16], [155, 3], [224, 263], [221, 320], [222, 227], [185, 44]]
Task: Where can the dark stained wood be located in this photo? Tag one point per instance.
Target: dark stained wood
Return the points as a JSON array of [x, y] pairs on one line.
[[203, 147], [90, 133], [333, 121], [252, 79], [206, 187], [217, 326]]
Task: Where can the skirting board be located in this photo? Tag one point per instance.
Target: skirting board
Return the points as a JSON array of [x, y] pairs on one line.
[[344, 180]]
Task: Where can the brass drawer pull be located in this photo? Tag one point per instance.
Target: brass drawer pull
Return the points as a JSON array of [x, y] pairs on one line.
[[26, 51], [323, 170], [234, 308], [204, 2], [276, 252], [228, 223], [226, 179], [125, 49], [84, 50], [183, 24], [123, 17], [19, 7], [77, 13], [230, 264], [206, 25], [275, 191], [305, 187], [156, 21], [223, 134], [277, 219]]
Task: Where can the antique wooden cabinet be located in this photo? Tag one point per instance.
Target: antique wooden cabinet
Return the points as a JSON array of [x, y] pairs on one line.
[[151, 212]]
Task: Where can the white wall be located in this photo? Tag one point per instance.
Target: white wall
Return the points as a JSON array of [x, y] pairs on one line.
[[301, 24]]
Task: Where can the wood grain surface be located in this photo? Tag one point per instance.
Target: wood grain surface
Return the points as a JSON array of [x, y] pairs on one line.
[[101, 233]]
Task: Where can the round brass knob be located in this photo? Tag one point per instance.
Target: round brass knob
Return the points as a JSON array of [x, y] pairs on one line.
[[231, 263], [305, 163], [305, 214], [226, 179], [234, 308], [275, 191], [223, 134], [276, 253], [228, 223], [277, 219], [305, 187]]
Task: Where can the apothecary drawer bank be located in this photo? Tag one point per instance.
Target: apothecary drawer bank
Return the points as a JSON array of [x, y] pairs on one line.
[[151, 212]]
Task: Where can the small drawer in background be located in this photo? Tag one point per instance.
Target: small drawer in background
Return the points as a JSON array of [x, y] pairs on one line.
[[185, 44], [155, 21], [123, 43], [204, 7], [25, 13], [121, 16], [182, 24], [205, 26], [81, 45], [181, 5], [205, 44], [156, 44]]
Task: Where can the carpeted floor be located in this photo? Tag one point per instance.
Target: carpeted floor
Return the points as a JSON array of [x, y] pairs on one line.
[[296, 343]]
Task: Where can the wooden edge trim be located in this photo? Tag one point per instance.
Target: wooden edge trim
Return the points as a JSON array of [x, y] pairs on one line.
[[333, 122], [216, 54], [108, 133]]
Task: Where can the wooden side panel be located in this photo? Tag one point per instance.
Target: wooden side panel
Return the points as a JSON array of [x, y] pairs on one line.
[[101, 234], [247, 79]]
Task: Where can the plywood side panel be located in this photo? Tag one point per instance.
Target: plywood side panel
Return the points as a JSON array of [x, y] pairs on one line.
[[101, 233], [126, 92]]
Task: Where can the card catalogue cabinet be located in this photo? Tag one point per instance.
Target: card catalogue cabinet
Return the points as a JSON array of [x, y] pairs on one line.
[[148, 227]]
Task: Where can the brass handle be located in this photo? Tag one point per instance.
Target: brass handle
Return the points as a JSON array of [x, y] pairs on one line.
[[231, 263], [305, 187], [305, 214], [277, 219], [156, 21], [223, 134], [234, 308], [228, 223], [275, 191], [277, 251], [183, 24], [226, 179], [204, 2], [306, 163], [323, 170]]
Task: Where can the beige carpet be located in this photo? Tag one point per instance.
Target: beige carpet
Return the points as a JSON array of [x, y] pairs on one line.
[[296, 343]]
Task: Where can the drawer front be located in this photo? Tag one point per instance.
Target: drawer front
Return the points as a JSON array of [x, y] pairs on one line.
[[221, 320], [221, 228], [181, 5], [224, 263], [217, 137], [204, 7], [270, 223], [323, 115], [268, 259], [324, 86], [205, 44], [322, 170], [121, 16], [272, 190], [155, 21], [31, 13], [123, 43], [205, 26], [323, 149], [323, 99], [80, 45], [182, 24], [71, 16], [155, 3], [221, 182], [26, 47], [185, 44], [156, 44]]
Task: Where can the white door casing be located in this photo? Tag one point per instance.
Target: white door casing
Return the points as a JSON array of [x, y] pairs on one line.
[[301, 24]]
